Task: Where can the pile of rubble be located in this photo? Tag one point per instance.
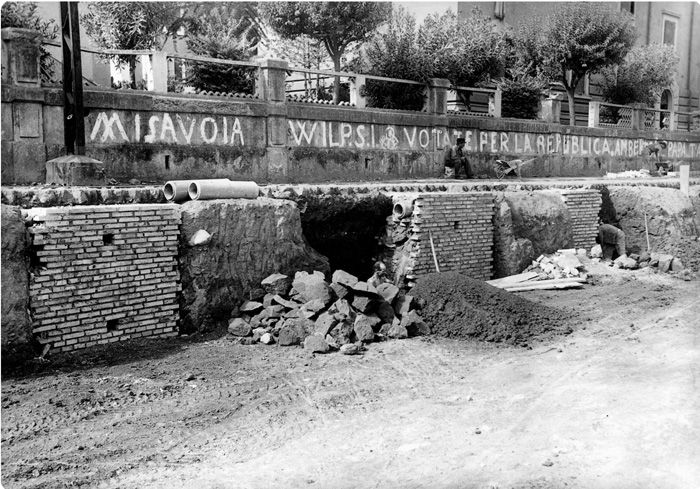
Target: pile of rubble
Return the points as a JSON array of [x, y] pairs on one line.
[[643, 173], [562, 264], [663, 262], [342, 315]]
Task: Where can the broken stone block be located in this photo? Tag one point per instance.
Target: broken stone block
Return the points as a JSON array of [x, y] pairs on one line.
[[275, 311], [324, 324], [340, 291], [625, 262], [199, 238], [644, 256], [267, 300], [677, 265], [596, 251], [341, 306], [665, 262], [289, 335], [284, 302], [250, 307], [342, 332], [277, 284], [364, 327], [396, 330], [388, 292], [414, 324], [365, 289], [344, 278], [567, 260], [312, 286], [257, 333], [350, 349], [238, 327], [316, 344], [314, 305], [363, 303], [386, 312], [267, 339], [403, 305]]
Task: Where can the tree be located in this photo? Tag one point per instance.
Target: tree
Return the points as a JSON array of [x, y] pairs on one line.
[[23, 15], [641, 77], [578, 39], [225, 31], [467, 52], [395, 53], [131, 25], [336, 24]]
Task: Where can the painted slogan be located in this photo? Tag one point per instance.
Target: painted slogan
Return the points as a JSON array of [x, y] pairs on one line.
[[163, 127], [326, 134]]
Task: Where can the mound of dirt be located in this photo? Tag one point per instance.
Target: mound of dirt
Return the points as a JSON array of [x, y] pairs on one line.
[[456, 306], [685, 248]]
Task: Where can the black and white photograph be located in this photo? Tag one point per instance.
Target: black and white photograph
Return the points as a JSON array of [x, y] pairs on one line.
[[350, 245]]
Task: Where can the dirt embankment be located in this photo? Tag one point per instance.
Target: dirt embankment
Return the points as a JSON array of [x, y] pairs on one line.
[[457, 306]]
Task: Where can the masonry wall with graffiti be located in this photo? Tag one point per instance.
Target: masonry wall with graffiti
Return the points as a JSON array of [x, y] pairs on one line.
[[154, 138]]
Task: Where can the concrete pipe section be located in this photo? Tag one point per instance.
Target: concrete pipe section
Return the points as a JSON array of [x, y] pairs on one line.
[[176, 190], [403, 209], [222, 189]]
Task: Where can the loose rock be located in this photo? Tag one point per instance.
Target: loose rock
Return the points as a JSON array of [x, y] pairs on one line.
[[344, 278], [388, 292], [316, 344], [277, 284], [238, 327], [312, 286]]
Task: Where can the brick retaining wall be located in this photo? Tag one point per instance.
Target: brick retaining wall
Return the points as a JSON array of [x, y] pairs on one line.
[[104, 273], [584, 207], [461, 225]]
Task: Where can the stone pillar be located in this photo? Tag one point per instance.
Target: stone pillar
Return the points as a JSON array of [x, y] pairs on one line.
[[638, 116], [436, 101], [357, 86], [497, 102], [593, 113], [672, 122], [550, 109], [21, 53], [271, 80], [685, 179], [159, 68]]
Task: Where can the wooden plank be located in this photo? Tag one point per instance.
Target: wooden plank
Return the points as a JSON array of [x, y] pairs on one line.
[[511, 279], [544, 286], [580, 280]]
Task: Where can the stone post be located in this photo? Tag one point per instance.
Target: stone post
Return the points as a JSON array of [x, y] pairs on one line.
[[159, 67], [357, 86], [672, 122], [550, 109], [271, 80], [271, 88], [497, 102], [436, 101], [593, 113], [21, 53], [638, 116], [685, 179]]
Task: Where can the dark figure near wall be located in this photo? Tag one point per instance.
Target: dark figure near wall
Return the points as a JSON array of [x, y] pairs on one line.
[[612, 241]]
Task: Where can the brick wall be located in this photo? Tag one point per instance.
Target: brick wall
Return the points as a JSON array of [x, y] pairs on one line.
[[103, 273], [461, 225], [584, 206]]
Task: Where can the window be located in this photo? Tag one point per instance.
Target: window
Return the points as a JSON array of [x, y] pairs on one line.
[[670, 30]]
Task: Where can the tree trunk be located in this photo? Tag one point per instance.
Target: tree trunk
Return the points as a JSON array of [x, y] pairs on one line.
[[336, 80], [572, 105]]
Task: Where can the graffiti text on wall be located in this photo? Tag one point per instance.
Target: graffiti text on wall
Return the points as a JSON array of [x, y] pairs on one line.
[[164, 128], [413, 138]]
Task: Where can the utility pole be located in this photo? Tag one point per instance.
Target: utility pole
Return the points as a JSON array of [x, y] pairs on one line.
[[74, 168]]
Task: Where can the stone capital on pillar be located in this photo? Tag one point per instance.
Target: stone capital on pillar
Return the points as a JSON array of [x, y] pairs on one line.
[[21, 55], [271, 80], [436, 101]]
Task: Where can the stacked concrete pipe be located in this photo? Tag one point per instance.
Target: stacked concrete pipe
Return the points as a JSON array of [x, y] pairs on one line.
[[220, 188]]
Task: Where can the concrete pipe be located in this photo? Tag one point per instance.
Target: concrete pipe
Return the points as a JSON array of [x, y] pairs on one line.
[[403, 209], [176, 190], [222, 189]]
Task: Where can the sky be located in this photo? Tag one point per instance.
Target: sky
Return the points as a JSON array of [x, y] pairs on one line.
[[422, 9]]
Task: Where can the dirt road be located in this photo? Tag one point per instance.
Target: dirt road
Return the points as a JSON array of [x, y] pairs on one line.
[[615, 404]]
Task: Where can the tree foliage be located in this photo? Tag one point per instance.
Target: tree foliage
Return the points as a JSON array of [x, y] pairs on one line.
[[395, 53], [578, 39], [641, 77], [130, 25], [335, 24], [225, 31], [467, 51], [23, 15]]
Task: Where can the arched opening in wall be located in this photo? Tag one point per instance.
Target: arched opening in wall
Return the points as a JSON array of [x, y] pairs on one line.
[[666, 105], [348, 229]]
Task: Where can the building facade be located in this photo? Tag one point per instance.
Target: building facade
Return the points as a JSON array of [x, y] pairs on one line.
[[675, 23]]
